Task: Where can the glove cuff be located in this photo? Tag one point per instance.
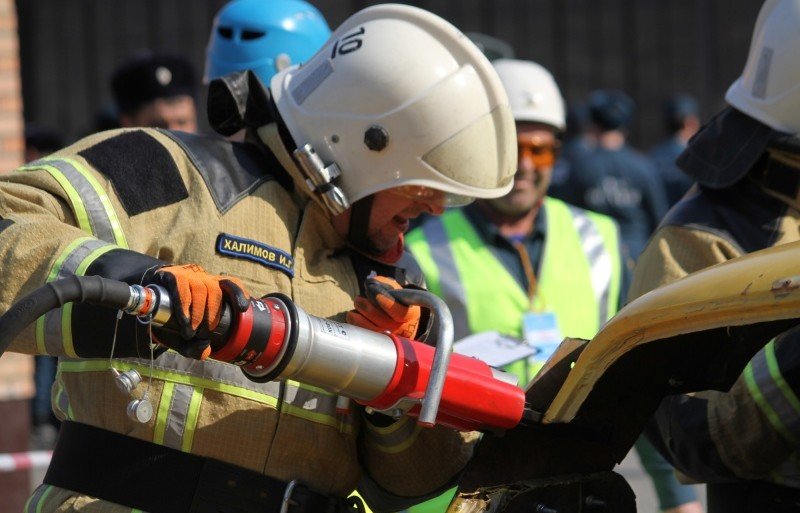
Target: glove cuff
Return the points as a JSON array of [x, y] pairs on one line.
[[125, 265]]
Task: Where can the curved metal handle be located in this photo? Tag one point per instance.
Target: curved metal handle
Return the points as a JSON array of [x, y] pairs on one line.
[[444, 347]]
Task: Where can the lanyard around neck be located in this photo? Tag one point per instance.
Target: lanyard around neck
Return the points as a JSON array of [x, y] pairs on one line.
[[527, 267]]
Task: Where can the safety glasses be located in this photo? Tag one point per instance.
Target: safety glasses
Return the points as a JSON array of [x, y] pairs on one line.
[[542, 152], [433, 197]]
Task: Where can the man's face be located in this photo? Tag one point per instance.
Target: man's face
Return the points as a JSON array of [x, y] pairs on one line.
[[176, 113], [537, 147], [390, 214], [393, 208]]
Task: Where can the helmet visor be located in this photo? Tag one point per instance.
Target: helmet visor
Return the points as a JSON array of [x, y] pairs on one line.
[[430, 196], [482, 157]]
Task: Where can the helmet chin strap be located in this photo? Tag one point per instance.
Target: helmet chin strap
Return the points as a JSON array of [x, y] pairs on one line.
[[358, 238]]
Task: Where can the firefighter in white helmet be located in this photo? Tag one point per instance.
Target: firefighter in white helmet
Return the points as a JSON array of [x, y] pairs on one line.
[[525, 241], [397, 114], [746, 162]]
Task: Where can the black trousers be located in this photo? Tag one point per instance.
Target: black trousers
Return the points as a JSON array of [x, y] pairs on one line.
[[752, 497]]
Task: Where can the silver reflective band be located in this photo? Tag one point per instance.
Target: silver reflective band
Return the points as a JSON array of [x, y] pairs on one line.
[[452, 291], [598, 258]]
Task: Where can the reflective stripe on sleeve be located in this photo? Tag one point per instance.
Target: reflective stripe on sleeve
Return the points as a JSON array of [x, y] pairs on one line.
[[772, 394], [54, 329], [787, 473], [90, 203], [95, 215], [394, 438], [37, 500]]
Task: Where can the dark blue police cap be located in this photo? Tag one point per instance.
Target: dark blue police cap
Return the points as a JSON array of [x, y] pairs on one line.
[[680, 106], [610, 109], [149, 76]]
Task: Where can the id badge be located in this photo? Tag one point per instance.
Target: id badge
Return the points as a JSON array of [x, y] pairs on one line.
[[540, 330]]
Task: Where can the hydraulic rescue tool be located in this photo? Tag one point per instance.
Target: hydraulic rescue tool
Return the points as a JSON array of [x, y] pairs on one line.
[[274, 339]]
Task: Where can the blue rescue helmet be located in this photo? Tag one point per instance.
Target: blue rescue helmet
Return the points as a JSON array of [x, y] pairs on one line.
[[265, 36]]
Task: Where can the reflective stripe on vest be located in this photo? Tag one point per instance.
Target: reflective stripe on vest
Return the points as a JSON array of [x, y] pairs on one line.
[[176, 419], [772, 394], [581, 268], [61, 404], [599, 259], [90, 203], [447, 284]]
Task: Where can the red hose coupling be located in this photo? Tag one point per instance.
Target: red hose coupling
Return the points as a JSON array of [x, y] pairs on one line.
[[256, 336]]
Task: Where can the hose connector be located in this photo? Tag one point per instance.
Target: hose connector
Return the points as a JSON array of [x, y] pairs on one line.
[[151, 302]]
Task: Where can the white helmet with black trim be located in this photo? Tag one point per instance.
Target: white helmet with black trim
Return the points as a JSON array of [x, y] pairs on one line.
[[398, 97]]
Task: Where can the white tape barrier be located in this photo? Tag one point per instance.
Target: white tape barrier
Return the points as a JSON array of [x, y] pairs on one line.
[[11, 462]]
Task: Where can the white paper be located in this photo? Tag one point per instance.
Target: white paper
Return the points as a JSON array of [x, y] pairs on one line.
[[493, 348]]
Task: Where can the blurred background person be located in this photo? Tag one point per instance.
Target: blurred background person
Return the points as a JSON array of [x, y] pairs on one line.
[[577, 142], [613, 178], [105, 118], [681, 122], [41, 141], [156, 90]]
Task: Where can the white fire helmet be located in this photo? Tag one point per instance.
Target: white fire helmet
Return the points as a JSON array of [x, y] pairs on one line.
[[532, 92], [398, 97], [769, 88]]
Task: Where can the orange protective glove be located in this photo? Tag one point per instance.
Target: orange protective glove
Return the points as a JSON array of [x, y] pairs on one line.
[[379, 311], [198, 298]]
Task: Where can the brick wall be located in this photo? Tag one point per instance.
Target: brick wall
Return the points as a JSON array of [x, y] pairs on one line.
[[16, 370]]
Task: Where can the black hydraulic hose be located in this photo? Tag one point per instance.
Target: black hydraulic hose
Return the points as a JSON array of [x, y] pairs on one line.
[[80, 289]]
